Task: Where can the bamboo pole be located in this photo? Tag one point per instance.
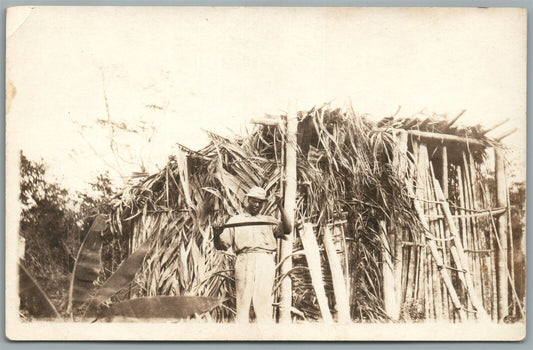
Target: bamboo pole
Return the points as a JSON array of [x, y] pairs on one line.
[[312, 254], [508, 133], [425, 174], [481, 313], [495, 126], [418, 151], [511, 249], [339, 286], [278, 273], [421, 280], [426, 290], [446, 259], [444, 165], [416, 271], [482, 244], [494, 277], [480, 234], [398, 256], [485, 270], [457, 117], [511, 282], [405, 274], [389, 295], [459, 267], [469, 229], [430, 275], [439, 290], [400, 163], [290, 206], [441, 233], [424, 135], [477, 246], [474, 266], [501, 199], [395, 241], [438, 260], [466, 237], [458, 264], [283, 149], [462, 221], [430, 211], [411, 274]]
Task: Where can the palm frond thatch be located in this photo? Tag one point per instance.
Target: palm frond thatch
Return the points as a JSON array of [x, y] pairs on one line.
[[347, 168]]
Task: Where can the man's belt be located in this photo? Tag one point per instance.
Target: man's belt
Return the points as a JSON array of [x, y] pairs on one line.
[[255, 250]]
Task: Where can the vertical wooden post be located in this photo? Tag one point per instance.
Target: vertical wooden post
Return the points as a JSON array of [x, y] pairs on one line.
[[400, 163], [493, 274], [445, 171], [398, 267], [445, 181], [511, 251], [429, 274], [501, 198], [389, 295], [419, 187], [439, 290], [462, 220], [289, 204]]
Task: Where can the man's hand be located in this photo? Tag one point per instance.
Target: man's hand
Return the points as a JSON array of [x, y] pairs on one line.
[[217, 230]]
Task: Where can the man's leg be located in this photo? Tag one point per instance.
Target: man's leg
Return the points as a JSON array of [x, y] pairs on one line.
[[244, 281], [262, 293]]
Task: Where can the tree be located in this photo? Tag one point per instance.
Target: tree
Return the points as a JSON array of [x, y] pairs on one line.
[[47, 214], [53, 221], [49, 226], [96, 202]]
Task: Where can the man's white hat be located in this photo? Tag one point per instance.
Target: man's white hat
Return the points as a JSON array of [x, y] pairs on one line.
[[257, 192]]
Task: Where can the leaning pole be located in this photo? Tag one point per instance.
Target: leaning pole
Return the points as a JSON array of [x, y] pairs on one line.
[[289, 205]]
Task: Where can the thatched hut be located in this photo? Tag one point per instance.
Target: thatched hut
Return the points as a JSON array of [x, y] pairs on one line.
[[404, 219]]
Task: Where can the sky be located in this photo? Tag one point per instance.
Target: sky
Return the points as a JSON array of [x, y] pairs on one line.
[[186, 70]]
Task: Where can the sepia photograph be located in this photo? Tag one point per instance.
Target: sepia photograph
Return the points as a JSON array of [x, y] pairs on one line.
[[265, 173]]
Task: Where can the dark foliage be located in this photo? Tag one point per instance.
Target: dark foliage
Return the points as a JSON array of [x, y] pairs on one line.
[[52, 223]]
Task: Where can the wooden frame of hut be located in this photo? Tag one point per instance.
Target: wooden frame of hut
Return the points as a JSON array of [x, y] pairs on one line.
[[465, 240], [396, 220]]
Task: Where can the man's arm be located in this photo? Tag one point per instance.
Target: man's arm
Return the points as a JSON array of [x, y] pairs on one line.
[[286, 223], [223, 237]]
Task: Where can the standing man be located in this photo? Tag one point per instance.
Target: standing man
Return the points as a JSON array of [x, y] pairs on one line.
[[253, 239]]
